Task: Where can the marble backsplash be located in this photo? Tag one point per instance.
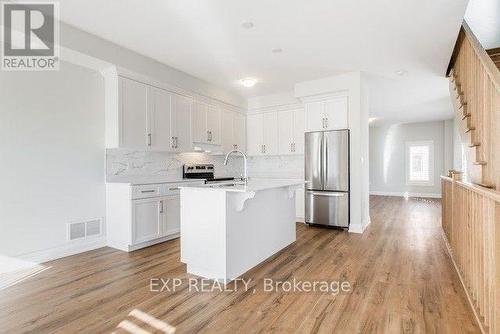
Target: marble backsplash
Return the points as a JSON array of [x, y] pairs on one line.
[[136, 163]]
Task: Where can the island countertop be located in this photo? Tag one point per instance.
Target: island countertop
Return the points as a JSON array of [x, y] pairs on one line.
[[254, 184]]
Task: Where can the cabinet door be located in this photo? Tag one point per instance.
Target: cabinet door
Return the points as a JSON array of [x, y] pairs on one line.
[[254, 134], [182, 106], [172, 215], [336, 113], [315, 113], [270, 133], [199, 122], [285, 132], [239, 131], [213, 125], [298, 129], [147, 220], [227, 131], [134, 109], [160, 120]]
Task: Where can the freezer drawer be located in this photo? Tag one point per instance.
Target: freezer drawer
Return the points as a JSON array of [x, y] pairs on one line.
[[327, 208]]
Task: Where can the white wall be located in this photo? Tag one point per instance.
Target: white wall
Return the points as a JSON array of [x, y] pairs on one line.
[[52, 153], [387, 156]]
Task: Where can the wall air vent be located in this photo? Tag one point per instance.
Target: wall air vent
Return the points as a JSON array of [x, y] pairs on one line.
[[86, 229]]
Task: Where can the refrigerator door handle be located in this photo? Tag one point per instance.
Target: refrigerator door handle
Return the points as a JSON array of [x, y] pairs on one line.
[[315, 193], [324, 163]]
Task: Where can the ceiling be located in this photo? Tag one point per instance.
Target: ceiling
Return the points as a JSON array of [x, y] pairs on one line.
[[319, 38], [483, 17]]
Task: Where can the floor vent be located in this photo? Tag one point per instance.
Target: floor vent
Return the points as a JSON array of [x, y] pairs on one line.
[[81, 230]]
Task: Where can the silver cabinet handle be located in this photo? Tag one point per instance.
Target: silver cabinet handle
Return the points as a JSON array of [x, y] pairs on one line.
[[264, 148], [176, 188], [173, 142], [323, 122], [176, 142], [147, 191], [161, 206], [149, 139], [326, 123], [315, 193]]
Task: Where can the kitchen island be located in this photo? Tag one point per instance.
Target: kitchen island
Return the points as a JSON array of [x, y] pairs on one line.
[[227, 229]]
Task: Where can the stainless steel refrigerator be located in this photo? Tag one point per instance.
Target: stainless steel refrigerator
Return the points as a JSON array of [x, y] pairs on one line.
[[327, 176]]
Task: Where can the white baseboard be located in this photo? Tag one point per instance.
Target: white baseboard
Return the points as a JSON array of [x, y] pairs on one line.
[[404, 194], [70, 248]]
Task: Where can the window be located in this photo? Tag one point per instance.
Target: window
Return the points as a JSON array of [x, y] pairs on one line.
[[420, 163]]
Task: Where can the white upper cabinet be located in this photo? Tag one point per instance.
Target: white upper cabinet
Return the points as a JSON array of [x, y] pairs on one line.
[[255, 134], [233, 131], [160, 123], [239, 131], [291, 131], [181, 120], [206, 124], [133, 114], [227, 130], [327, 114], [262, 134]]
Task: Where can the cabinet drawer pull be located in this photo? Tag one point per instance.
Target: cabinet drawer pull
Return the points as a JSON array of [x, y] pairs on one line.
[[161, 206], [147, 191], [176, 188], [149, 139]]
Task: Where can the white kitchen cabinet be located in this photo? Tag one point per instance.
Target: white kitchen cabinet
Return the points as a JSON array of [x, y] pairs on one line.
[[227, 130], [270, 133], [291, 132], [255, 134], [299, 205], [138, 216], [239, 131], [206, 124], [299, 129], [160, 122], [181, 123], [262, 134], [147, 219], [233, 131], [133, 113], [328, 114]]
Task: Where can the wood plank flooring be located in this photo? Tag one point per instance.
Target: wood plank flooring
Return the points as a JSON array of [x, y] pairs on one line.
[[401, 276]]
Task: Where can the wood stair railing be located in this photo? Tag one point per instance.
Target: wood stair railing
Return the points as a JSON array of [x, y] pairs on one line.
[[475, 92], [495, 56]]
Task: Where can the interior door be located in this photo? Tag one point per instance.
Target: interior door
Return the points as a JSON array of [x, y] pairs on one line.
[[315, 113], [160, 121], [134, 114], [313, 158], [336, 160], [270, 133], [298, 129], [285, 132], [147, 219], [182, 106], [254, 134]]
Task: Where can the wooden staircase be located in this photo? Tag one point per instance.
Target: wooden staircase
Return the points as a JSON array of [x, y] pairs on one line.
[[475, 92], [495, 56]]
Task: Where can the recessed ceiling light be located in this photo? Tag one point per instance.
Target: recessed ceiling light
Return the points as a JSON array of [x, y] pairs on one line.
[[277, 50], [248, 82], [401, 72], [247, 25]]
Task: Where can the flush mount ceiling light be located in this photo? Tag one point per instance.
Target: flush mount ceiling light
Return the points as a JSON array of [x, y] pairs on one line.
[[277, 50], [247, 25], [248, 82], [401, 72]]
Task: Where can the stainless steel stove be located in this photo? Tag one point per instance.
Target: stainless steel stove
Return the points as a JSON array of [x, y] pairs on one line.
[[203, 171]]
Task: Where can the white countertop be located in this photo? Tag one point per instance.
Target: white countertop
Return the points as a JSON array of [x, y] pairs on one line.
[[138, 180], [253, 185]]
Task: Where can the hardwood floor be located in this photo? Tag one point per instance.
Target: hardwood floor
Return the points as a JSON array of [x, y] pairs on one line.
[[401, 277]]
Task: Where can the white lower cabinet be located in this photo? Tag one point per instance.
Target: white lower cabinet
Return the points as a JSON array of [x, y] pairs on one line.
[[138, 216]]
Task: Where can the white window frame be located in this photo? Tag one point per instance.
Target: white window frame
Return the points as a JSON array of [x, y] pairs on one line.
[[429, 143]]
